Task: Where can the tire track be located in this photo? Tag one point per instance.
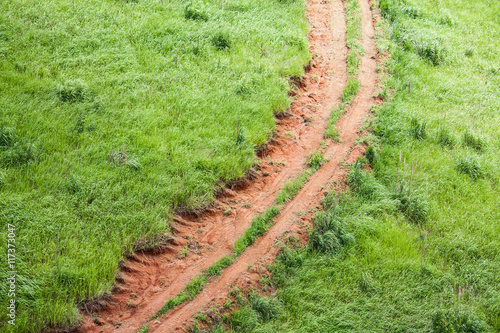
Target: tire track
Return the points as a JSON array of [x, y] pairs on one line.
[[147, 279], [309, 196]]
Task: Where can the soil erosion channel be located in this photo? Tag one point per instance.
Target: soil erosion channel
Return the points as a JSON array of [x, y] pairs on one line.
[[149, 278]]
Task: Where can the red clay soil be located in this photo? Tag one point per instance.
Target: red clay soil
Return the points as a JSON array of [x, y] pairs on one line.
[[148, 279]]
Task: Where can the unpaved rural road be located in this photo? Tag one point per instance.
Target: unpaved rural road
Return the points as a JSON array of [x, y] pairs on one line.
[[149, 278]]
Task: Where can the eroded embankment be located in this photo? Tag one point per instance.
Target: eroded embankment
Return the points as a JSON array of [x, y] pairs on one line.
[[147, 280]]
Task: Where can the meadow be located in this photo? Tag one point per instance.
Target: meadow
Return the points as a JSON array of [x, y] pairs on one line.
[[413, 245], [115, 114]]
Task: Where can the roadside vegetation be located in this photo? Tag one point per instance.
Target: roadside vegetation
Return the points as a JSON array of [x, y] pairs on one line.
[[112, 115], [413, 245]]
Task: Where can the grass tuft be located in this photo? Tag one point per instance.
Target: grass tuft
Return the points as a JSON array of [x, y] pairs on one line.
[[350, 91], [371, 155], [418, 129], [72, 91], [331, 130], [454, 321], [315, 160], [415, 207], [193, 12], [476, 143], [329, 234], [445, 139], [267, 308], [221, 41], [470, 165]]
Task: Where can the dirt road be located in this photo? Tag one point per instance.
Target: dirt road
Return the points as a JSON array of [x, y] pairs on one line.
[[148, 279]]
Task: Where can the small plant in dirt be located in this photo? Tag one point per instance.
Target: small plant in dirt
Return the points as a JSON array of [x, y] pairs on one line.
[[473, 142], [143, 329], [315, 160], [331, 130], [352, 63], [418, 129], [445, 139], [469, 165], [350, 91], [221, 41]]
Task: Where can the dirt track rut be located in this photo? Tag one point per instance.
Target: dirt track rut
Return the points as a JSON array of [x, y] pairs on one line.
[[148, 279]]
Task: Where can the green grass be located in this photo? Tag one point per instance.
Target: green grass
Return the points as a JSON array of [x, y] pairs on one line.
[[413, 246], [115, 113], [331, 130], [290, 189]]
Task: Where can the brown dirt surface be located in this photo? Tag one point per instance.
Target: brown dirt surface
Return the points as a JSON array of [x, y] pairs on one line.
[[149, 278]]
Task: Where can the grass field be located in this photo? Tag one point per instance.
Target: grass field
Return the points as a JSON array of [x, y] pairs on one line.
[[115, 113], [413, 245]]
